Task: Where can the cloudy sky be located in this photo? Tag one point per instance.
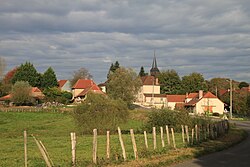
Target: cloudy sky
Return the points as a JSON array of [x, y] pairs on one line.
[[211, 37]]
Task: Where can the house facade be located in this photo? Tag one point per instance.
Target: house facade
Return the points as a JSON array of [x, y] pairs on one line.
[[204, 102], [82, 87]]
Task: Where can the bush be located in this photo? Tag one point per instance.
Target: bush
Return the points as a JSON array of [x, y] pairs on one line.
[[173, 119], [100, 112]]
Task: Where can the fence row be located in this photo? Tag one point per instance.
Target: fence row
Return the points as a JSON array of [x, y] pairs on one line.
[[190, 136]]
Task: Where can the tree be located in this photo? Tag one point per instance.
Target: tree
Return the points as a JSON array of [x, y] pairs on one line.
[[9, 75], [124, 84], [27, 72], [20, 93], [193, 83], [101, 112], [82, 73], [243, 84], [49, 79], [54, 94], [170, 82], [113, 68], [142, 72]]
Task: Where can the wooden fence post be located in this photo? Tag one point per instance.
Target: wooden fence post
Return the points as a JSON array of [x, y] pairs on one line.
[[173, 137], [146, 139], [208, 130], [73, 148], [46, 152], [134, 143], [95, 146], [196, 133], [162, 138], [182, 134], [186, 129], [167, 131], [25, 148], [122, 144], [154, 137], [192, 136], [108, 144], [43, 153]]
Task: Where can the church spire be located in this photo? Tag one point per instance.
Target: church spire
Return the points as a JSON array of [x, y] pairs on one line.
[[154, 70]]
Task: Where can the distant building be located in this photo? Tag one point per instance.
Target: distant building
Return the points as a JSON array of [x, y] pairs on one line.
[[82, 87], [64, 85], [154, 71], [199, 103]]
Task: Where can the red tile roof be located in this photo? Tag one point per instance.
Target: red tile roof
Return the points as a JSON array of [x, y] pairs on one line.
[[83, 84], [93, 88], [209, 95], [148, 80], [61, 83], [7, 97], [176, 98], [193, 95]]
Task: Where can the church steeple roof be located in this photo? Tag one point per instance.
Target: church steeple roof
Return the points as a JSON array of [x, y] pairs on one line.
[[154, 71]]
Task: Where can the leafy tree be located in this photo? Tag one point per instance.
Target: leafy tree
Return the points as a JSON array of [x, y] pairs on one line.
[[21, 93], [142, 72], [54, 94], [170, 82], [82, 73], [193, 83], [49, 79], [240, 103], [243, 84], [113, 68], [124, 84], [9, 75], [101, 112], [27, 72]]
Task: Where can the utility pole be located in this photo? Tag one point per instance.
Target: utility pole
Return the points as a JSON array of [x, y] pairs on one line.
[[231, 99]]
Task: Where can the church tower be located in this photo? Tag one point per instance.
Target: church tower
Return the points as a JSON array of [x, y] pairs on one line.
[[154, 71]]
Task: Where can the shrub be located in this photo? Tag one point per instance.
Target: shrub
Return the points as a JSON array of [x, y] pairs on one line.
[[100, 112], [174, 119], [163, 117]]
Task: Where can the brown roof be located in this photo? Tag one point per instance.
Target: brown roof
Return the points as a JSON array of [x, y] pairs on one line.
[[209, 95], [83, 84], [61, 83], [176, 98], [35, 92], [93, 88], [193, 95], [223, 91], [155, 95], [148, 80]]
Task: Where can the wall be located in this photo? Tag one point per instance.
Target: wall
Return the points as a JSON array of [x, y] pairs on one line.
[[217, 105]]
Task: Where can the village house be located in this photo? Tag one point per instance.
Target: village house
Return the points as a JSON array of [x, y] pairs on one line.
[[82, 87], [35, 92], [175, 101], [200, 103], [150, 94], [64, 85]]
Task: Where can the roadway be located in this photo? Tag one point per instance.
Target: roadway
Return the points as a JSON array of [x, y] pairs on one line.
[[236, 156]]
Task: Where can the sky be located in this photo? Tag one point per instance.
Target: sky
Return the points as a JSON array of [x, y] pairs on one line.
[[211, 37]]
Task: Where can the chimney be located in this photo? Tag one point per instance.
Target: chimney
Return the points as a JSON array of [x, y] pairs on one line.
[[200, 94], [156, 81]]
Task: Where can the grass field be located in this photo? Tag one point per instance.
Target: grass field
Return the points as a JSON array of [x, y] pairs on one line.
[[53, 129]]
